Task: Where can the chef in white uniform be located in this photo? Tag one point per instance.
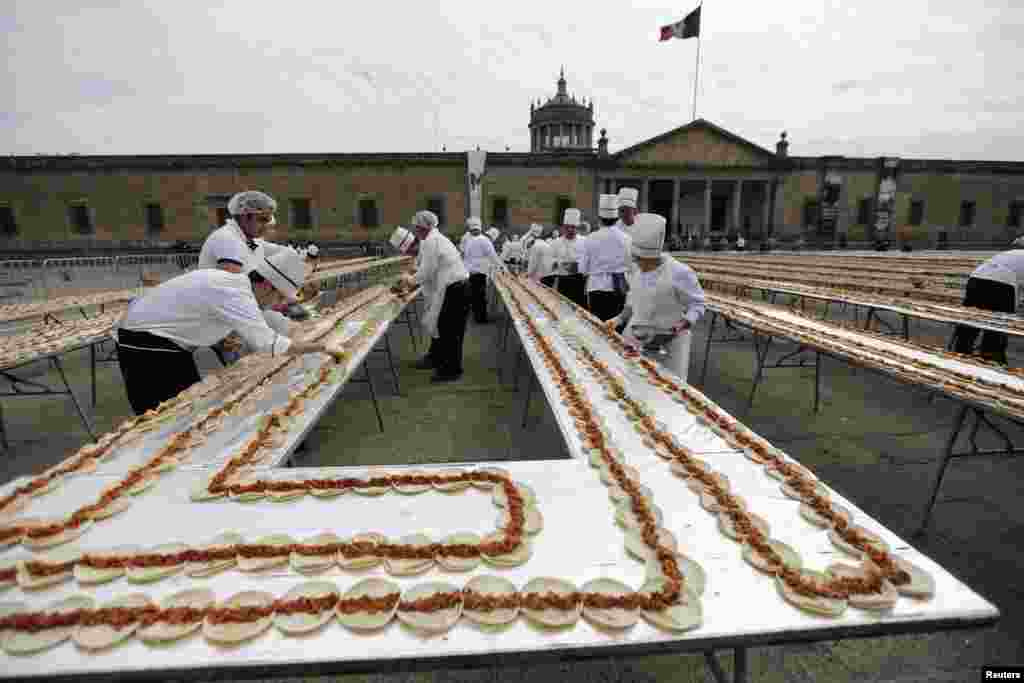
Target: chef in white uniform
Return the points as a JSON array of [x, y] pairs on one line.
[[627, 207], [541, 262], [665, 298], [240, 238], [995, 285], [480, 259], [493, 234], [606, 261], [512, 253], [568, 251], [443, 277]]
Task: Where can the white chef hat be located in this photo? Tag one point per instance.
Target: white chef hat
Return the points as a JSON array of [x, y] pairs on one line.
[[402, 239], [285, 269], [628, 196], [648, 234], [571, 217], [608, 206], [584, 227], [494, 234], [251, 201], [536, 230], [425, 219], [556, 234], [474, 223], [313, 251]]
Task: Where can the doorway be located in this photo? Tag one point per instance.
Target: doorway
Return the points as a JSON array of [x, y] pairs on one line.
[[719, 212], [660, 201]]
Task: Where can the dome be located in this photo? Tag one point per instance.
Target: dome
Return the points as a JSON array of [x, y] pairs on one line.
[[562, 122]]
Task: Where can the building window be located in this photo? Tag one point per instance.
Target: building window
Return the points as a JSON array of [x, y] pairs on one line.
[[1013, 217], [916, 215], [864, 211], [436, 205], [967, 214], [499, 211], [368, 213], [302, 214], [8, 226], [561, 204], [154, 219], [80, 218], [810, 213]]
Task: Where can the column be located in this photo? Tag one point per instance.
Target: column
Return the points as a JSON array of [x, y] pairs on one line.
[[707, 207], [737, 207], [674, 225], [645, 190], [766, 208]]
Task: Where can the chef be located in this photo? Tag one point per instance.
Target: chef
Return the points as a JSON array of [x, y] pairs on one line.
[[241, 237], [541, 262], [606, 261], [665, 299], [493, 234], [160, 330], [442, 275], [313, 257], [993, 286], [512, 253], [627, 207], [529, 238], [480, 258], [568, 250]]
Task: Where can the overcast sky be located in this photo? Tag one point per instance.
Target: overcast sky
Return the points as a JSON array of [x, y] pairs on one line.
[[911, 78]]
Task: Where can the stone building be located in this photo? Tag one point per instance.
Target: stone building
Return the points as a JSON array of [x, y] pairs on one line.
[[704, 179]]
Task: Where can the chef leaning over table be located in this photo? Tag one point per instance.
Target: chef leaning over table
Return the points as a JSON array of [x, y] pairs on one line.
[[665, 299], [240, 238], [160, 330], [995, 285], [443, 277]]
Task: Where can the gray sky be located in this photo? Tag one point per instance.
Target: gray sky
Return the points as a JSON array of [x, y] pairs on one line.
[[915, 78]]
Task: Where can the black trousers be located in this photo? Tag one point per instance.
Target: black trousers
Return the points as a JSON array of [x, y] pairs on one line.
[[548, 281], [606, 305], [574, 287], [154, 369], [446, 350], [991, 296], [478, 296]]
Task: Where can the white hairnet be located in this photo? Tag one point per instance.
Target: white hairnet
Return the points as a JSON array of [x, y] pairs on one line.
[[425, 219], [251, 201]]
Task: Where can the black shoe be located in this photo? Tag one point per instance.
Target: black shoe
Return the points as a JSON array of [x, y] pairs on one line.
[[438, 377], [425, 363]]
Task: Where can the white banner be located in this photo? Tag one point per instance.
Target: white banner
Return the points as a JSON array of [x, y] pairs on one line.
[[475, 165]]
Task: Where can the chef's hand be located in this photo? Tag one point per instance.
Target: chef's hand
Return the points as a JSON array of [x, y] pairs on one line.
[[232, 343], [612, 323]]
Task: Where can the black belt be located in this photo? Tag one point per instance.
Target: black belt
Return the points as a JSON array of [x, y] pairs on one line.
[[147, 341]]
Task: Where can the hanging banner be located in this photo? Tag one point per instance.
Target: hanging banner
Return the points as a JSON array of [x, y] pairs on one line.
[[475, 165], [830, 203], [886, 200]]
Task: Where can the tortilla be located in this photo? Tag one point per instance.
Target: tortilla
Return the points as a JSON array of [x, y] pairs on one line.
[[618, 495], [410, 567], [24, 642], [92, 575], [626, 518], [679, 470], [873, 538], [22, 523], [684, 615], [710, 503], [486, 485], [790, 492], [694, 577], [525, 492], [433, 622], [112, 508], [452, 486], [65, 536], [829, 607], [50, 485], [551, 617], [372, 490], [150, 574], [7, 565], [515, 558], [790, 557], [201, 492], [103, 636], [237, 632], [613, 618], [459, 564], [490, 585], [144, 485], [286, 496], [726, 526], [533, 520], [869, 601], [922, 583], [363, 562], [201, 569], [332, 492], [29, 581], [607, 479], [800, 469], [412, 489], [636, 547], [698, 487], [305, 622], [812, 516], [315, 563], [256, 564]]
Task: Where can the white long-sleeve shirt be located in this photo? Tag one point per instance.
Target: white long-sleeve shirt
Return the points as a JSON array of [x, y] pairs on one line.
[[605, 252], [673, 292], [542, 260], [512, 250], [439, 263], [568, 251], [201, 307], [229, 243], [479, 255]]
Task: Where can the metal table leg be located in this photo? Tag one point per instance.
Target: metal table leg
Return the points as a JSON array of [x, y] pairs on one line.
[[762, 358], [391, 362], [739, 659], [78, 406], [92, 366], [906, 327], [526, 403], [519, 365], [946, 457], [817, 380], [707, 347], [3, 431]]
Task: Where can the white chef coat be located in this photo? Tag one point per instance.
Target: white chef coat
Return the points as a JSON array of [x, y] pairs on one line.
[[542, 260], [462, 242], [606, 251], [479, 255], [512, 250], [201, 307], [438, 266], [228, 242], [567, 251]]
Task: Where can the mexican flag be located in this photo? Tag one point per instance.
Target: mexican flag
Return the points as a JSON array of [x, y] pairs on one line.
[[689, 27]]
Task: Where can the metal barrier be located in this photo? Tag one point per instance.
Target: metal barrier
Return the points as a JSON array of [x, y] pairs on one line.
[[21, 281], [80, 275]]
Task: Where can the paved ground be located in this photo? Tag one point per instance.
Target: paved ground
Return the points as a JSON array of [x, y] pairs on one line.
[[875, 440]]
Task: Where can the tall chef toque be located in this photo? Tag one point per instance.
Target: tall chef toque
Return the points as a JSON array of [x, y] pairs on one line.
[[536, 230], [571, 217], [402, 239], [628, 196], [285, 269], [648, 235], [474, 224], [608, 206], [494, 234]]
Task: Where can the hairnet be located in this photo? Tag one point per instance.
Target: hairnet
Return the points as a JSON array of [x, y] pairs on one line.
[[251, 201], [425, 219]]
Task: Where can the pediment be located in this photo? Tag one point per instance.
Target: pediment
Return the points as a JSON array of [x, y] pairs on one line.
[[699, 143]]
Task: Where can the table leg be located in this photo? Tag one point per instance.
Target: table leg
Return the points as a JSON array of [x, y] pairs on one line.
[[519, 366], [526, 403], [707, 347], [391, 362], [867, 320], [92, 367], [739, 673], [3, 431], [817, 380], [946, 457], [906, 327], [762, 359], [373, 396], [74, 399]]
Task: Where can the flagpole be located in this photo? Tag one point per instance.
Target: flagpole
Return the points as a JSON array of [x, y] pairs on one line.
[[696, 73]]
